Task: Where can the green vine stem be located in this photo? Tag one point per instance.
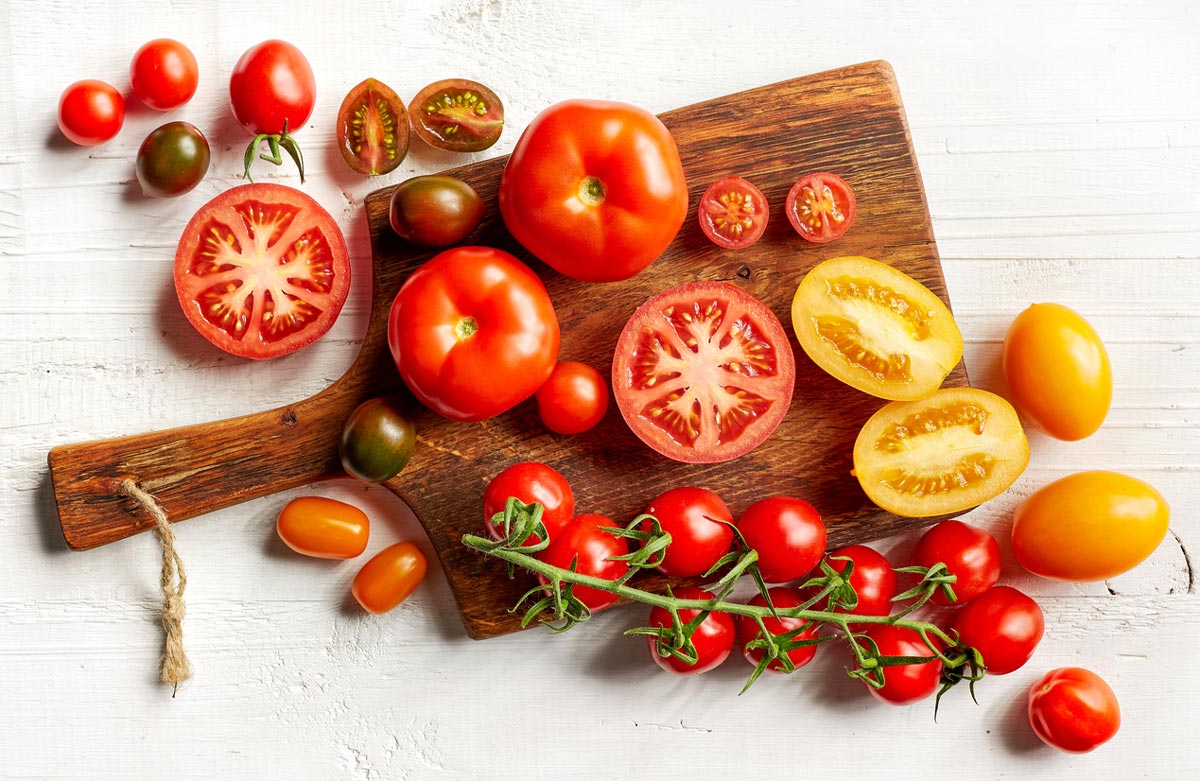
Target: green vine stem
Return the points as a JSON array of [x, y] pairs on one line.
[[276, 144]]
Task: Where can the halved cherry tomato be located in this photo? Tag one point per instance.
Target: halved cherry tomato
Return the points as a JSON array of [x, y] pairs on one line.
[[904, 684], [733, 213], [90, 112], [712, 639], [969, 553], [1074, 710], [262, 270], [530, 481], [324, 528], [372, 128], [1004, 625], [435, 210], [164, 74], [701, 529], [457, 114], [788, 535], [820, 207], [377, 440], [581, 544], [748, 630], [875, 328], [945, 454], [703, 372], [389, 577], [574, 399]]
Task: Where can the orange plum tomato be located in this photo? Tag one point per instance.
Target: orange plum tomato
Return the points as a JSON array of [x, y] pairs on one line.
[[372, 128], [574, 399], [389, 577], [323, 528]]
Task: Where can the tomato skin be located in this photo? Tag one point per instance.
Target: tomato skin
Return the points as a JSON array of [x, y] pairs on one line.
[[733, 213], [594, 189], [968, 552], [1057, 370], [389, 577], [788, 534], [458, 115], [323, 528], [821, 207], [377, 440], [593, 550], [473, 333], [372, 128], [90, 112], [747, 629], [1089, 526], [574, 399], [530, 481], [906, 683], [272, 87], [435, 211], [693, 517], [1074, 710], [713, 638], [164, 74], [1004, 625], [873, 580], [172, 160]]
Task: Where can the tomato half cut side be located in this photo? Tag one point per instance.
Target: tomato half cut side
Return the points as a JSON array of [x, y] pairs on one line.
[[703, 372], [458, 115], [262, 270], [733, 213], [821, 207], [372, 128]]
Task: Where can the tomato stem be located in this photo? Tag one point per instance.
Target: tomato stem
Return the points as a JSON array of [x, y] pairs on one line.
[[591, 190], [466, 327], [276, 142]]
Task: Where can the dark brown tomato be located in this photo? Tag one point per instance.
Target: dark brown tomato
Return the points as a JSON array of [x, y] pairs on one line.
[[372, 128], [435, 211], [458, 115], [377, 440]]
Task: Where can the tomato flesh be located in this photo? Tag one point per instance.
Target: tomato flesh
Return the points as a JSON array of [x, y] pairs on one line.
[[821, 207], [457, 115], [372, 128], [733, 213]]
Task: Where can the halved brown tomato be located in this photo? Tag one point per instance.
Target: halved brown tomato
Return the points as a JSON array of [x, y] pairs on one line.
[[944, 454], [703, 372], [262, 270], [457, 114], [875, 328], [733, 213], [820, 207], [372, 128]]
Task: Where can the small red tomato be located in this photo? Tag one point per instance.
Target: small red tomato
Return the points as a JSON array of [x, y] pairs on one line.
[[788, 534], [733, 213], [324, 528], [713, 638], [820, 207], [700, 526], [530, 482], [1004, 625], [592, 551], [389, 577], [90, 112], [574, 399], [873, 579], [904, 684], [747, 629], [1073, 710], [969, 553], [164, 74]]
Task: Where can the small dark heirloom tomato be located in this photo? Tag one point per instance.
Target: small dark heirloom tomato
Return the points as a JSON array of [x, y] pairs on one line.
[[820, 207], [748, 630], [574, 399], [458, 115], [435, 210], [172, 160], [323, 528], [733, 213], [372, 128], [377, 440], [389, 577], [712, 639]]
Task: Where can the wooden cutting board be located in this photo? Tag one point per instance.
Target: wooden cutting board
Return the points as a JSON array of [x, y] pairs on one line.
[[849, 121]]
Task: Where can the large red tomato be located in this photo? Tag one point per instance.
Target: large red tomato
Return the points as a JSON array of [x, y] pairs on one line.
[[473, 333], [594, 189]]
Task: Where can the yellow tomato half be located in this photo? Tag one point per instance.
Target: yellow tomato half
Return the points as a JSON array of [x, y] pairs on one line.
[[1089, 526]]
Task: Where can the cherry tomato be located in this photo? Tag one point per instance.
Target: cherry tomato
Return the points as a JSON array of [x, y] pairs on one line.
[[701, 529], [788, 534], [1089, 526], [1004, 625], [873, 579], [377, 440], [944, 454], [1057, 370], [389, 577], [594, 189], [703, 346], [581, 541], [875, 328], [435, 211], [458, 115], [904, 684], [372, 128], [172, 160], [324, 528], [747, 629], [733, 213], [90, 112], [473, 333], [1073, 710], [262, 270], [820, 207], [164, 74], [530, 482], [574, 399], [969, 553], [712, 639], [272, 92]]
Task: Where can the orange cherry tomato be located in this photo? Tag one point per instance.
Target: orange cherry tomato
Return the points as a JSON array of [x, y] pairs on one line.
[[389, 577], [574, 399], [324, 528]]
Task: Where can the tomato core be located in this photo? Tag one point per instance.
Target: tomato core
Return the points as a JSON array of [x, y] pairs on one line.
[[465, 328], [591, 191]]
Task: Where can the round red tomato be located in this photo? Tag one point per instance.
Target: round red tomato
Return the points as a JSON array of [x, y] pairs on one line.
[[530, 481], [873, 579], [594, 189], [788, 534], [701, 529], [90, 112], [592, 551], [1074, 710], [703, 372], [473, 333], [820, 207], [574, 399], [712, 639], [733, 213], [1004, 625], [904, 683], [969, 553], [272, 92], [164, 74], [262, 270], [747, 630]]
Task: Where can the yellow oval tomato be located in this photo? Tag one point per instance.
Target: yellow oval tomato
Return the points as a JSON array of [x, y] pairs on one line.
[[945, 454], [1057, 371], [875, 328], [1089, 526], [324, 528]]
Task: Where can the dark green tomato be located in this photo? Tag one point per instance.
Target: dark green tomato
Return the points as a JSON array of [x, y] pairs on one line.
[[377, 440], [435, 211], [172, 160]]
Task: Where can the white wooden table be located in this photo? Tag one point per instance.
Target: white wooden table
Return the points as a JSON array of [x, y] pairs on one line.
[[1060, 148]]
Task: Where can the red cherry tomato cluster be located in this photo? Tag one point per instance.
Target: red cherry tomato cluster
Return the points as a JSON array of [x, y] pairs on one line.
[[733, 213]]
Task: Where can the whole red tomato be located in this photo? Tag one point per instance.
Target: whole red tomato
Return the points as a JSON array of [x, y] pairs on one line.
[[747, 629], [1073, 710], [788, 534], [90, 112], [574, 399], [272, 92], [582, 544], [873, 579], [1004, 625], [713, 638], [969, 553], [699, 523], [473, 333], [530, 481], [164, 74], [904, 683], [594, 189]]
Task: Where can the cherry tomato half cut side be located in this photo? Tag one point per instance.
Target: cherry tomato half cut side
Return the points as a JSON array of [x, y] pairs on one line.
[[372, 128], [458, 115], [733, 213]]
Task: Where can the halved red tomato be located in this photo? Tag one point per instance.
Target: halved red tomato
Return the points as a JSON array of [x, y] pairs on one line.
[[457, 114], [733, 213], [703, 372], [820, 207], [262, 270], [372, 128]]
